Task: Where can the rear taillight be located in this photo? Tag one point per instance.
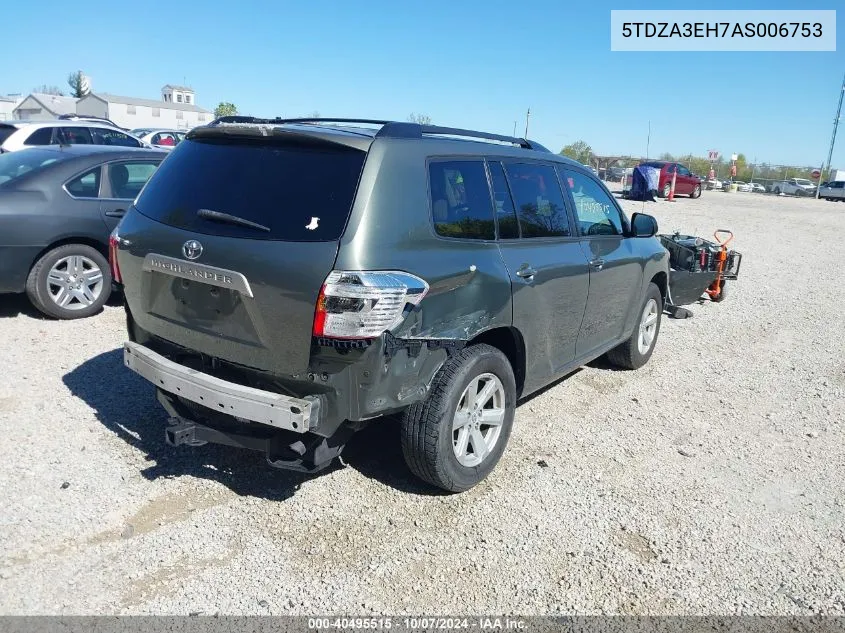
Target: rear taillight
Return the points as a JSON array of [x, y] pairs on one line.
[[114, 243], [363, 304]]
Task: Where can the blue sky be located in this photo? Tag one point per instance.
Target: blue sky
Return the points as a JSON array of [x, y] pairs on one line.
[[473, 63]]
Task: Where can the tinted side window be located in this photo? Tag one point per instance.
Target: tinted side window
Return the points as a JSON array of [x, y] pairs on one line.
[[164, 138], [76, 135], [505, 213], [683, 171], [460, 199], [86, 185], [127, 179], [539, 201], [41, 136], [105, 136], [596, 212]]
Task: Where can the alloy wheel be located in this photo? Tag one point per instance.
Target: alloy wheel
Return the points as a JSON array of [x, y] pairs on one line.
[[478, 420], [648, 326]]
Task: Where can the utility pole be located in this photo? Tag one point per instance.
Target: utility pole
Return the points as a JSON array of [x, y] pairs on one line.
[[527, 116], [832, 136], [514, 128]]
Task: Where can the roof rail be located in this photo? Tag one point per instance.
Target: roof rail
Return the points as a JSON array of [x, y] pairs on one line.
[[415, 130], [394, 129], [278, 120]]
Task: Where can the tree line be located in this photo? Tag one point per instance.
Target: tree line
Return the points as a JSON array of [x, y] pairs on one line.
[[582, 152]]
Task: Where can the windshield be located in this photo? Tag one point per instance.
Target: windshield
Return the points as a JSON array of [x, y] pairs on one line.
[[13, 165], [802, 181]]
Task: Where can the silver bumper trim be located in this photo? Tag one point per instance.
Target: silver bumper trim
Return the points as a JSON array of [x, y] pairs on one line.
[[263, 407]]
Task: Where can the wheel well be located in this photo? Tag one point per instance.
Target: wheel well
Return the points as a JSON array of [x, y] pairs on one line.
[[101, 248], [660, 280], [509, 341]]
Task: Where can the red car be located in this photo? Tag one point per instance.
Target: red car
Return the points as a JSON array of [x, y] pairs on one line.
[[686, 183]]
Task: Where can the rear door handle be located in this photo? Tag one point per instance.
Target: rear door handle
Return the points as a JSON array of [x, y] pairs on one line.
[[526, 272], [116, 213], [597, 264]]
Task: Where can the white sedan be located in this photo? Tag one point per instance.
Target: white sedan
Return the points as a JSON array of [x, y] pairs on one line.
[[743, 186], [712, 183], [756, 187]]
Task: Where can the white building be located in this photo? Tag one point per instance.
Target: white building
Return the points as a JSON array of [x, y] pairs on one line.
[[40, 106], [177, 109], [8, 103]]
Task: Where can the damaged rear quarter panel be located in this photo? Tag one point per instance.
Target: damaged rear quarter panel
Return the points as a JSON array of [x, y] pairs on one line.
[[390, 228]]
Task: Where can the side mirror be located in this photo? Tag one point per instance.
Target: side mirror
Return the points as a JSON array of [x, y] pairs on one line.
[[643, 225]]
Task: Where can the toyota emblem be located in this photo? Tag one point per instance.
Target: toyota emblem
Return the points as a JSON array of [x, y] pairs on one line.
[[191, 249]]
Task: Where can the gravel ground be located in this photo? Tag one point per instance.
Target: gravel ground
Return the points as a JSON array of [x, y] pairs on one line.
[[710, 481]]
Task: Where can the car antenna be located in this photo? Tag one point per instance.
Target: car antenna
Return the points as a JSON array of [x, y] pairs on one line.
[[647, 145]]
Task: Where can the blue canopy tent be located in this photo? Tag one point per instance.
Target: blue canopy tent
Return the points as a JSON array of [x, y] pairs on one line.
[[644, 183]]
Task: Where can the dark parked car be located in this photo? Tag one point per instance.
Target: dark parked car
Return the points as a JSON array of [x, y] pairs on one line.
[[57, 208], [288, 281], [686, 183]]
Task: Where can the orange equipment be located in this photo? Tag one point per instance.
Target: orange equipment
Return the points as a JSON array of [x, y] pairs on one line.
[[716, 290]]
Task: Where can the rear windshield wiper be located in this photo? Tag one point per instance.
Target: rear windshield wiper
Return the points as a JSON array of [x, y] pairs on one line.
[[225, 218]]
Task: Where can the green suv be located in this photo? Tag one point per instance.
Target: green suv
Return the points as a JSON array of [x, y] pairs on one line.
[[287, 281]]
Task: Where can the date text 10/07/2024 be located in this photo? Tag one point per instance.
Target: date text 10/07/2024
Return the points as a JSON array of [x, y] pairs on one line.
[[418, 623]]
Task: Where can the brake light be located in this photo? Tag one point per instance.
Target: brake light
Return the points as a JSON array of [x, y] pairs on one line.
[[114, 243], [363, 304]]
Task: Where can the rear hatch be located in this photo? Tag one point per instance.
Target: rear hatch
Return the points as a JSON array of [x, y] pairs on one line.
[[226, 248]]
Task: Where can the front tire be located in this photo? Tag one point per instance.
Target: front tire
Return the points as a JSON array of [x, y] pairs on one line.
[[454, 438], [635, 352], [696, 192], [70, 282]]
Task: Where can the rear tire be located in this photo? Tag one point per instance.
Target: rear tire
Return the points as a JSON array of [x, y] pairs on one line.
[[667, 188], [447, 440], [70, 282], [723, 293], [633, 354]]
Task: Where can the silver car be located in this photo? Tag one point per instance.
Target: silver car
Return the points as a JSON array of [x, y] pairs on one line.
[[833, 190], [160, 138]]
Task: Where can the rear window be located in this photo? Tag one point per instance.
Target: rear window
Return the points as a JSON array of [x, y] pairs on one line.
[[6, 131], [13, 165], [300, 193]]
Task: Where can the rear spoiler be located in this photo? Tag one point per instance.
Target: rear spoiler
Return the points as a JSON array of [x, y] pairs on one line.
[[324, 136], [388, 129]]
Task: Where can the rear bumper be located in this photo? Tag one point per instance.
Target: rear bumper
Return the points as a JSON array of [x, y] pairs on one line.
[[279, 411], [15, 262]]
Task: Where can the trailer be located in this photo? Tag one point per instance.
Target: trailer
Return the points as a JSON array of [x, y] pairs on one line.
[[698, 269]]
